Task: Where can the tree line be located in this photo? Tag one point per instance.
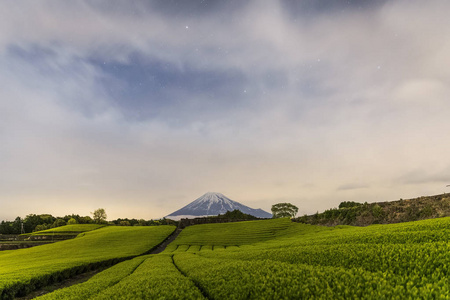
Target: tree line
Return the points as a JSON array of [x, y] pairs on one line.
[[33, 222], [364, 214]]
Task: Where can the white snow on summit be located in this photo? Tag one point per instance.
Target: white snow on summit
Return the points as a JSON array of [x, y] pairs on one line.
[[212, 198], [213, 204]]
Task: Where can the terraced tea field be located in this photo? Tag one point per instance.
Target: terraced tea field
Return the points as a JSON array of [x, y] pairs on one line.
[[24, 270], [44, 237], [409, 260], [74, 229], [229, 234], [277, 259]]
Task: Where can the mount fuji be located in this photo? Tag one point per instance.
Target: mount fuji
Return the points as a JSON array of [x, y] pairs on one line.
[[213, 204]]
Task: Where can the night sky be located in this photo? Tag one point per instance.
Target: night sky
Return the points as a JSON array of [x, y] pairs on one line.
[[140, 107]]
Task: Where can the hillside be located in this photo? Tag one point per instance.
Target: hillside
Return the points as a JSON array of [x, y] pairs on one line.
[[22, 271], [363, 214], [279, 259]]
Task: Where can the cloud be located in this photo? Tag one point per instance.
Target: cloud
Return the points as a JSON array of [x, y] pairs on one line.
[[352, 186], [422, 177], [141, 108]]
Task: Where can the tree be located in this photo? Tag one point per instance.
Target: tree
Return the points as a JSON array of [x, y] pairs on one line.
[[31, 221], [99, 216], [72, 221], [58, 222], [236, 214], [6, 228], [17, 225], [284, 210], [47, 219], [41, 227], [85, 220]]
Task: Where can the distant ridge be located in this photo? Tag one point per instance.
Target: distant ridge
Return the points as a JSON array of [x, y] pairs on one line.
[[213, 204], [363, 214]]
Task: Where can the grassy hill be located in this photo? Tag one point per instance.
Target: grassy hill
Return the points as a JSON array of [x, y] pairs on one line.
[[73, 229], [363, 214], [21, 271], [279, 259], [264, 259], [229, 234]]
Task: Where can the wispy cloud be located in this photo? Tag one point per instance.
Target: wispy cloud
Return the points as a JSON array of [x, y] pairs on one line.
[[140, 108]]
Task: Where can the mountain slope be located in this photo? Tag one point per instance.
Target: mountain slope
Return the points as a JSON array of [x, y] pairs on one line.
[[213, 204], [363, 214]]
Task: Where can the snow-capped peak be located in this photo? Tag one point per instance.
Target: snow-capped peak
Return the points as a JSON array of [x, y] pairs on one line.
[[211, 197], [212, 204]]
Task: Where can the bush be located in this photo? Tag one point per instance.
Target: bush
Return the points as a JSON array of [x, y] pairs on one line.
[[349, 204], [72, 221]]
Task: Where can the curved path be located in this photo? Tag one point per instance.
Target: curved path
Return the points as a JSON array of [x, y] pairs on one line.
[[160, 248], [86, 276]]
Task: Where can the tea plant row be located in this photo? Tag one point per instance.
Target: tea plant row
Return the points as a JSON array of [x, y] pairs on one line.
[[409, 260], [277, 259], [22, 271]]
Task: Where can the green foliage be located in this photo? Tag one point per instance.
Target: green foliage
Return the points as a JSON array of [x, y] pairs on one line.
[[142, 222], [377, 211], [237, 215], [99, 216], [409, 260], [97, 283], [85, 220], [147, 277], [230, 234], [11, 227], [354, 213], [279, 259], [73, 229], [348, 204], [32, 221], [72, 221], [24, 270], [59, 222], [41, 227], [284, 210], [156, 278], [35, 222]]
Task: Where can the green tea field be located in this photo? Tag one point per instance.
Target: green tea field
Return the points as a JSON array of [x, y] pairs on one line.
[[275, 259], [68, 229], [21, 271]]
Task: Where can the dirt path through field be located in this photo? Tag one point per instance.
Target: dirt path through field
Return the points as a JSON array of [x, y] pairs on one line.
[[161, 247], [80, 278]]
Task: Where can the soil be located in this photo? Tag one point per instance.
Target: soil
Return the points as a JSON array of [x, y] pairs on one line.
[[164, 244]]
